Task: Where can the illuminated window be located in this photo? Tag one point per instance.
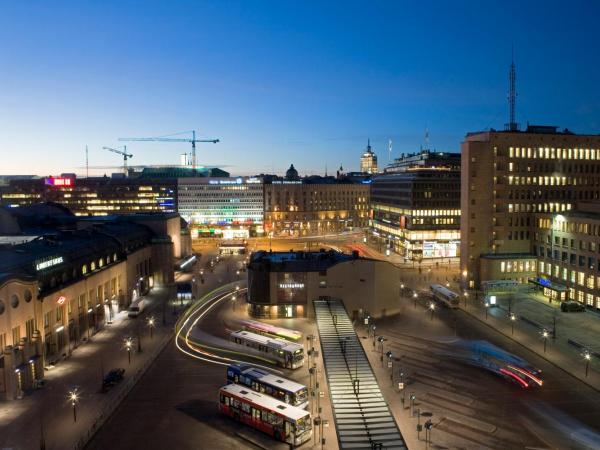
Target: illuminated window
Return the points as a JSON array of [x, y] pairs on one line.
[[84, 269]]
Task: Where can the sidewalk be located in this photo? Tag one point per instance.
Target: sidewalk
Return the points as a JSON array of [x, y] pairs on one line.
[[46, 415]]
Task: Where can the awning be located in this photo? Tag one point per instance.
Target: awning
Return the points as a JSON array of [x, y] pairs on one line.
[[543, 282]]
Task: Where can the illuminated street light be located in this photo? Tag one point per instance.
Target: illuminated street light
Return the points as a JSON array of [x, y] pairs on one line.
[[415, 298], [545, 336], [587, 357], [487, 305], [233, 298], [151, 324], [466, 294], [73, 397], [512, 322], [128, 345], [432, 308]]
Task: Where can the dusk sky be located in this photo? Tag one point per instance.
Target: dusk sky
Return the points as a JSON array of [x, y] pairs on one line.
[[283, 82]]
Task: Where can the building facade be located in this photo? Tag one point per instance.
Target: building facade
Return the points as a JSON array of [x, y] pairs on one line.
[[510, 181], [226, 207], [314, 206], [58, 290], [284, 284], [94, 196], [416, 206]]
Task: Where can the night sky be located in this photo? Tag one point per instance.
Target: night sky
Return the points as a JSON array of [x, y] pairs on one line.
[[283, 82]]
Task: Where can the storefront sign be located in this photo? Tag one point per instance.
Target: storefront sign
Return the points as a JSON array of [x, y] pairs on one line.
[[291, 285], [60, 300], [59, 181]]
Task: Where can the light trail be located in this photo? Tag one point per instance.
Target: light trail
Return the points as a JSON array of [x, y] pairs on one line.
[[197, 315]]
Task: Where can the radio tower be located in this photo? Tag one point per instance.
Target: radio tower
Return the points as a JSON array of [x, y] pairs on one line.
[[512, 95]]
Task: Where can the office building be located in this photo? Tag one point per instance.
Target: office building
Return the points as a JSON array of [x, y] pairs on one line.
[[314, 205], [416, 206], [284, 284], [512, 182], [231, 208]]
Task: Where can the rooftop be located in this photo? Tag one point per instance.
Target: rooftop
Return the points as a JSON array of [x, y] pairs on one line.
[[299, 261]]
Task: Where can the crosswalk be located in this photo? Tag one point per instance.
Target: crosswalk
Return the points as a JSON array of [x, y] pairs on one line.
[[362, 417]]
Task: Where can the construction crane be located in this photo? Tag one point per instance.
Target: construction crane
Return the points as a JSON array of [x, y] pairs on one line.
[[121, 152], [193, 140]]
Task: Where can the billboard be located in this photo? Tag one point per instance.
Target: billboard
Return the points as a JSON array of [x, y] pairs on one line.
[[435, 249], [59, 181]]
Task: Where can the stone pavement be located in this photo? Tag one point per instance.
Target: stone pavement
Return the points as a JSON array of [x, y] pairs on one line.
[[45, 419]]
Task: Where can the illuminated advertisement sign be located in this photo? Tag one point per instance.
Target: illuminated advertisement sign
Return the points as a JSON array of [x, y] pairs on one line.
[[59, 181], [60, 300], [54, 261], [291, 287], [433, 249]]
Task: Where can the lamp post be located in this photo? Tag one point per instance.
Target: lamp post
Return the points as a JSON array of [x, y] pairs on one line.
[[128, 345], [381, 339], [415, 299], [374, 328], [432, 309], [74, 398], [587, 358], [512, 323], [487, 305], [233, 298], [151, 324], [402, 289], [466, 294], [545, 336], [391, 366]]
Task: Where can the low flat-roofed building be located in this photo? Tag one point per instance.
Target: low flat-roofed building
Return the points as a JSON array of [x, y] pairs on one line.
[[284, 284]]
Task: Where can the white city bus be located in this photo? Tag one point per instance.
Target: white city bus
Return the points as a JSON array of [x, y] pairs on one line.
[[282, 421], [286, 354], [445, 295], [260, 380]]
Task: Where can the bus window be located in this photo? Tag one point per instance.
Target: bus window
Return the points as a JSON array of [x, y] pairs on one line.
[[256, 414]]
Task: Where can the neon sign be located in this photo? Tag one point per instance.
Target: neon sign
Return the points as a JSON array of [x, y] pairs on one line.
[[41, 265], [59, 181]]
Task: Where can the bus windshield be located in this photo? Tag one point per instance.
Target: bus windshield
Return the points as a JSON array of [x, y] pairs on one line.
[[303, 424]]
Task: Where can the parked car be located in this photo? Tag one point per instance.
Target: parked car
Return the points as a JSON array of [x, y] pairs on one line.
[[136, 307], [571, 306], [111, 378]]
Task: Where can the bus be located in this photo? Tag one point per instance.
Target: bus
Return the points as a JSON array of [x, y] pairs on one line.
[[284, 422], [271, 330], [259, 380], [286, 354], [444, 295]]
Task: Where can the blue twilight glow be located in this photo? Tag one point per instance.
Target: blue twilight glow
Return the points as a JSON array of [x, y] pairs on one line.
[[283, 82]]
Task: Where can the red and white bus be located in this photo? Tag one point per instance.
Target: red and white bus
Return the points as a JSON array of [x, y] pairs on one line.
[[284, 422]]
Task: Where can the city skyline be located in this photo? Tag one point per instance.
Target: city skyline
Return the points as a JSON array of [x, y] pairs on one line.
[[281, 85]]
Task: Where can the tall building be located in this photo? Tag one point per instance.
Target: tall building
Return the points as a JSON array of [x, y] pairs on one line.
[[511, 181], [314, 205], [224, 207], [368, 160], [416, 206]]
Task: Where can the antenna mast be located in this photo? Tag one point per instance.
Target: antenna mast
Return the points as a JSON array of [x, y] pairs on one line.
[[512, 95]]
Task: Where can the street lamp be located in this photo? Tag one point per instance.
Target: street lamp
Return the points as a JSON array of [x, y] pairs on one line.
[[233, 297], [415, 299], [151, 324], [432, 308], [128, 345], [374, 328], [545, 336], [466, 296], [381, 339], [512, 323], [73, 397], [391, 366], [587, 358], [487, 305]]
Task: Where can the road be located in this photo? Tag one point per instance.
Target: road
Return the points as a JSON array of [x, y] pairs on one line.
[[473, 408]]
